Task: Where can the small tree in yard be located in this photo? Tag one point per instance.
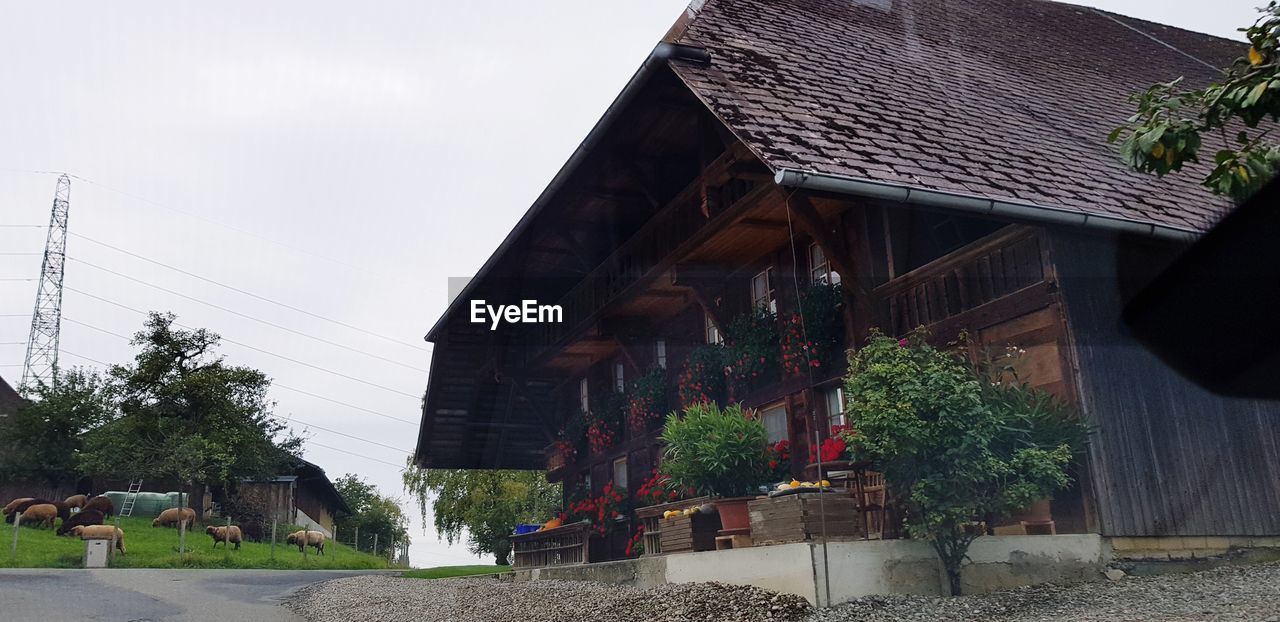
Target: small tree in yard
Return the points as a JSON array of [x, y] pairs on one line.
[[43, 440], [371, 512], [951, 448], [1171, 122], [483, 505]]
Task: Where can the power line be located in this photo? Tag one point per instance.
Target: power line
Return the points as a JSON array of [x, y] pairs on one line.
[[22, 226], [250, 294], [290, 418], [357, 455], [312, 425], [340, 403], [226, 226], [273, 383], [15, 279], [247, 316], [81, 356], [256, 349], [19, 254]]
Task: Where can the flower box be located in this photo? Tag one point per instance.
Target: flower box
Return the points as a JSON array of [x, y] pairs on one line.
[[799, 518]]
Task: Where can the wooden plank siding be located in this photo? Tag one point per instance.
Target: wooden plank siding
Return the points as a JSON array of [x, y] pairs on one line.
[[1168, 457]]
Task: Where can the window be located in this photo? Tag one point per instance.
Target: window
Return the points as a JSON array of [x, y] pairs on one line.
[[835, 405], [619, 379], [660, 353], [713, 331], [819, 268], [583, 402], [762, 295], [775, 423], [620, 473]]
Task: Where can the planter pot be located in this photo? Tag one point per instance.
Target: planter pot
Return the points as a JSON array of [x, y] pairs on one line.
[[734, 518]]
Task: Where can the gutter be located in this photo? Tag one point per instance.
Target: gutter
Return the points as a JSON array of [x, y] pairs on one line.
[[658, 58], [1004, 208]]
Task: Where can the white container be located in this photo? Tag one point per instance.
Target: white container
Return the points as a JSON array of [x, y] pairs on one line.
[[96, 551]]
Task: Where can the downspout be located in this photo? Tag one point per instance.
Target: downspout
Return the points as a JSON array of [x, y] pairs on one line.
[[1002, 208]]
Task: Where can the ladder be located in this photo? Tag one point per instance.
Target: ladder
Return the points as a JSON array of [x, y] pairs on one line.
[[131, 497]]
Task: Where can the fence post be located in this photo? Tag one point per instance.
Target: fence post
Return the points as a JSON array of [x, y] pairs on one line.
[[226, 536], [375, 545], [111, 551], [355, 544], [273, 538], [13, 549], [182, 535]]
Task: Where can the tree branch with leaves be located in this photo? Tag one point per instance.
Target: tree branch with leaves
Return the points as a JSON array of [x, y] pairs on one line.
[[1171, 123]]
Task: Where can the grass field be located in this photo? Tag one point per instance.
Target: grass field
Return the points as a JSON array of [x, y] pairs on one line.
[[157, 547], [442, 572]]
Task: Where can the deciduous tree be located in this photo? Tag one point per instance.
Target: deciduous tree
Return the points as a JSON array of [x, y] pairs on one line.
[[482, 506]]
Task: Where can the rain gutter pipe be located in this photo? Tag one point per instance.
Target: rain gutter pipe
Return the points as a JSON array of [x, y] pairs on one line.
[[1003, 208]]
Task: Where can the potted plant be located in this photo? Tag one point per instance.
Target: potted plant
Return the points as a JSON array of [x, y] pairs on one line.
[[718, 452], [604, 422], [751, 355], [702, 376], [646, 401], [810, 343]]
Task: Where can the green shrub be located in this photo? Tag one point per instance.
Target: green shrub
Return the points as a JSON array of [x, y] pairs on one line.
[[954, 447], [715, 451]]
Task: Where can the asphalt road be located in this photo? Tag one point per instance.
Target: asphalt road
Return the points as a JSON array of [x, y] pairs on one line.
[[142, 595]]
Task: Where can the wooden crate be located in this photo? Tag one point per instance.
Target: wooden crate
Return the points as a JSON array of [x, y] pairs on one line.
[[654, 524], [683, 534], [796, 518]]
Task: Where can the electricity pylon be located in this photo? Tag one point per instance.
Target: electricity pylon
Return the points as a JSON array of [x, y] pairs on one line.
[[46, 321]]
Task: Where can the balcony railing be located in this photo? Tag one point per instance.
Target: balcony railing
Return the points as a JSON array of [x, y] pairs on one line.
[[1001, 264]]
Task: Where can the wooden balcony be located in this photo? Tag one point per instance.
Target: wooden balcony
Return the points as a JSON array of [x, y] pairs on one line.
[[731, 182], [978, 279]]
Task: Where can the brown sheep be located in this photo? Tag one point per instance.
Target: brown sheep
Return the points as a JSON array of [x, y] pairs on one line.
[[41, 514], [171, 517], [101, 504], [9, 509], [307, 538], [103, 532], [22, 507], [76, 501], [82, 518], [224, 535]]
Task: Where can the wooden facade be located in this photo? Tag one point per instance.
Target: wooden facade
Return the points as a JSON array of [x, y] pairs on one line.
[[656, 234]]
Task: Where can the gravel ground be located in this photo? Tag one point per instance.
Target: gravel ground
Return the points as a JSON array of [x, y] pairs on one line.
[[1237, 593], [392, 599]]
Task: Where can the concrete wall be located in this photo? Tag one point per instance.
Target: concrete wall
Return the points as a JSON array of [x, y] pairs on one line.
[[859, 568]]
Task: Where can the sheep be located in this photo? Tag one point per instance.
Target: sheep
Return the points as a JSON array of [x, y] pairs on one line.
[[252, 530], [86, 532], [22, 507], [224, 535], [307, 538], [172, 516], [81, 518], [76, 501], [40, 514], [9, 509], [101, 504]]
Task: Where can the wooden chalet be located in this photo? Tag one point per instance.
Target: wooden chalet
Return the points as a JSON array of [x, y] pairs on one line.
[[946, 163]]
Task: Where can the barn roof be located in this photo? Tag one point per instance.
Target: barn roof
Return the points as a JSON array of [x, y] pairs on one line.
[[1003, 99]]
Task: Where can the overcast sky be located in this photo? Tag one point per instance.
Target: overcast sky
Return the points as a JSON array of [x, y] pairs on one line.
[[333, 157]]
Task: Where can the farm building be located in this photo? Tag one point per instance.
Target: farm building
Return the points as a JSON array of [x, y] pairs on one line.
[[946, 165], [303, 497]]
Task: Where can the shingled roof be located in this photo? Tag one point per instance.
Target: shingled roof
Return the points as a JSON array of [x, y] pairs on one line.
[[1002, 99]]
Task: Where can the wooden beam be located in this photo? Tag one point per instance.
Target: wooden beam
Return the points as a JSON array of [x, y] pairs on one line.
[[763, 223]]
